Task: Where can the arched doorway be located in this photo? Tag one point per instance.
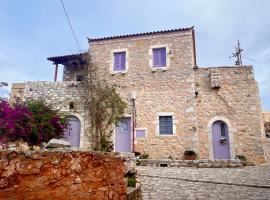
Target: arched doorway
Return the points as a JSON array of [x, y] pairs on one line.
[[220, 139], [72, 134]]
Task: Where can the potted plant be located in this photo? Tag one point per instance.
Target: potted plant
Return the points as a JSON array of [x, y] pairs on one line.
[[189, 154]]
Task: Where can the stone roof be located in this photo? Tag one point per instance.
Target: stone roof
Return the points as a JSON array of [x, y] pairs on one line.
[[140, 34]]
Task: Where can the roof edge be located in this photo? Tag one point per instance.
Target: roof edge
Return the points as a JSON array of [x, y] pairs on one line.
[[139, 34]]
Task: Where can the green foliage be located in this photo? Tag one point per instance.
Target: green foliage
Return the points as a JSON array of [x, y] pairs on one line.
[[48, 122], [131, 181], [144, 156], [104, 108]]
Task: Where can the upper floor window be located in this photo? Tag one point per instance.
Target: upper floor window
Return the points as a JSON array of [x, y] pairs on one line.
[[165, 125], [159, 57], [119, 61]]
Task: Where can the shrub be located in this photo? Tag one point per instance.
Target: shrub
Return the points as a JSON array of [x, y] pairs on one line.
[[48, 123], [144, 156], [15, 122], [131, 181]]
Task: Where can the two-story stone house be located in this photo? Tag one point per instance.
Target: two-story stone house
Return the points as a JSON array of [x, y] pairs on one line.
[[214, 111]]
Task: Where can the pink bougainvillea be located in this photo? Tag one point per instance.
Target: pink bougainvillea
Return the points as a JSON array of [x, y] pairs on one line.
[[15, 122], [35, 122]]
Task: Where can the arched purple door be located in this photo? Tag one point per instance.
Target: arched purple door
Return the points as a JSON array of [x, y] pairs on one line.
[[123, 136], [220, 138], [72, 134]]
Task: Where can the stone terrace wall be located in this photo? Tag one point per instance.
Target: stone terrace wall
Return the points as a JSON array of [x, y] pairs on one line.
[[237, 100], [60, 94], [61, 175]]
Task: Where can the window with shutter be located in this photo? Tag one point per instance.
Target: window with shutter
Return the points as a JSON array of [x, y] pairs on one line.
[[159, 57], [165, 125], [119, 61]]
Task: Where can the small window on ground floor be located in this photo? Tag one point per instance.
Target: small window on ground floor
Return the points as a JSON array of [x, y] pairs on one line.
[[165, 125]]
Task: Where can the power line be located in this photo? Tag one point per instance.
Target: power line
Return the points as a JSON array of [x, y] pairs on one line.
[[237, 54], [70, 25]]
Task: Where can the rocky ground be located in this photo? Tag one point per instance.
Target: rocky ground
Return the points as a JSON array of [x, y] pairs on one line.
[[205, 183]]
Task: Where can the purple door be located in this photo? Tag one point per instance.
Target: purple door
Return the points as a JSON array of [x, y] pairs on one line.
[[123, 135], [220, 138], [72, 134]]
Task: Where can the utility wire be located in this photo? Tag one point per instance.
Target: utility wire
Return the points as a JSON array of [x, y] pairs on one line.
[[70, 25]]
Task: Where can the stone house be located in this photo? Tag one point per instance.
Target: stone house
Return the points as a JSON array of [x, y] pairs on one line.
[[214, 111]]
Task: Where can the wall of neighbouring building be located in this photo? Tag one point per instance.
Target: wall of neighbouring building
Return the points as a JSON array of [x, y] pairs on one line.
[[237, 102], [59, 95], [61, 175], [171, 90], [17, 92], [266, 116]]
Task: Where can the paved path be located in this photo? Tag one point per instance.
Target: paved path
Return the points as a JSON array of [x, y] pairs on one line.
[[205, 183]]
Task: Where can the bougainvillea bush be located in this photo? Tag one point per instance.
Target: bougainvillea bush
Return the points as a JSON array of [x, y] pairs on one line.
[[15, 122], [34, 122], [48, 123]]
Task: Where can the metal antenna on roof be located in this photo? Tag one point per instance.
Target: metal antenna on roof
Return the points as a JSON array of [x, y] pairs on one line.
[[237, 54], [73, 33]]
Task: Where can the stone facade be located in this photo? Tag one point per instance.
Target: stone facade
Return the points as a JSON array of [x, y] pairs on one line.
[[194, 97], [17, 92], [61, 175], [237, 103], [60, 95], [157, 91]]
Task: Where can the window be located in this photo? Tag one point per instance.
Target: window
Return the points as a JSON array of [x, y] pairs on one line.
[[165, 125], [79, 77], [71, 105], [222, 129], [159, 57], [119, 61], [140, 133]]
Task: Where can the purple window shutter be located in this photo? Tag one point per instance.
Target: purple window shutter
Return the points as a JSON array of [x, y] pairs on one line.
[[119, 61], [116, 62], [159, 57], [123, 61], [155, 58], [163, 57]]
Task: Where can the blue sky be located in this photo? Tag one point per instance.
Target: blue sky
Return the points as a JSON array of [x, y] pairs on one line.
[[33, 30]]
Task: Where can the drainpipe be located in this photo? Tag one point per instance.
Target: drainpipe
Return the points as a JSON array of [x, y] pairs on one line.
[[133, 98], [55, 72]]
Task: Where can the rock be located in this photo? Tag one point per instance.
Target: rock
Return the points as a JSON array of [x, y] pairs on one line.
[[36, 148], [58, 143], [22, 146]]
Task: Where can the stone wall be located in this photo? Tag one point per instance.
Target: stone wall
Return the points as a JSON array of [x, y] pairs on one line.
[[266, 116], [59, 95], [170, 90], [188, 183], [236, 102], [17, 92], [61, 175]]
